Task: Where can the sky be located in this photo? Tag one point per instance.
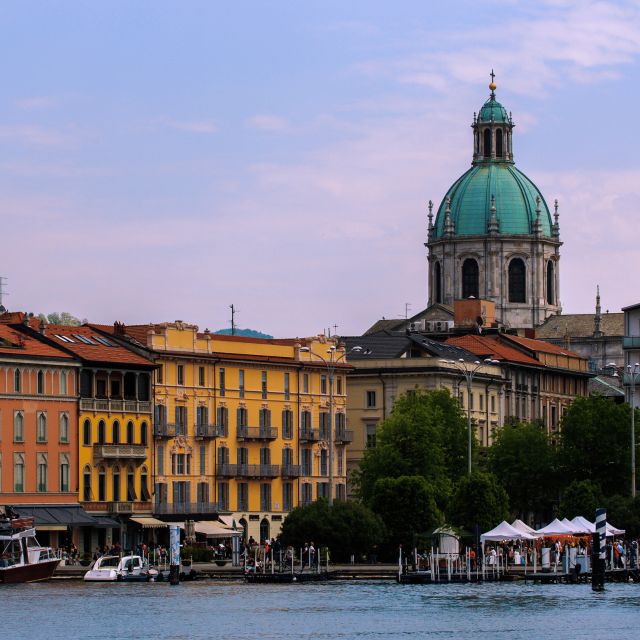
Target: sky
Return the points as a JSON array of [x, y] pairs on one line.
[[163, 160]]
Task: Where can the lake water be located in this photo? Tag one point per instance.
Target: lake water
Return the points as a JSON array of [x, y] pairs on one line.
[[359, 610]]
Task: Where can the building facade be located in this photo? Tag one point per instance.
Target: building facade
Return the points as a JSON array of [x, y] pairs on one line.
[[38, 431], [241, 425], [493, 235]]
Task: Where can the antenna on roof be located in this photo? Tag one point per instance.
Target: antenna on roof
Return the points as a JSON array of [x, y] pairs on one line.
[[407, 306], [233, 319], [3, 281]]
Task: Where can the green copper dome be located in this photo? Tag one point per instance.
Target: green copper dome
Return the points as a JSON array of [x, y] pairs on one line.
[[493, 111], [515, 202]]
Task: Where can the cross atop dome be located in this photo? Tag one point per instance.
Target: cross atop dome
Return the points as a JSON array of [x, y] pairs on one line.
[[492, 84]]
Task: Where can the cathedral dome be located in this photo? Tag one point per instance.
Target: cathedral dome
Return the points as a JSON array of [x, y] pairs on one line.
[[493, 111], [515, 200]]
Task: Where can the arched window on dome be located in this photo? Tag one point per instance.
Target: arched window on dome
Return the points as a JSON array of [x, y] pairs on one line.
[[551, 293], [437, 282], [517, 281], [470, 279], [486, 150], [499, 144]]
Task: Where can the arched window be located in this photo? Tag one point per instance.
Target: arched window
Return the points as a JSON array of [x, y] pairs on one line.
[[42, 472], [129, 432], [144, 484], [102, 429], [102, 484], [115, 432], [18, 472], [499, 144], [65, 463], [437, 282], [17, 381], [144, 433], [18, 427], [63, 383], [487, 143], [551, 293], [86, 433], [131, 485], [116, 484], [41, 430], [264, 530], [40, 382], [243, 524], [517, 281], [470, 279], [64, 428], [86, 484]]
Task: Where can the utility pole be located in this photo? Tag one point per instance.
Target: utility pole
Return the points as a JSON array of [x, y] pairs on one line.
[[233, 319], [407, 306]]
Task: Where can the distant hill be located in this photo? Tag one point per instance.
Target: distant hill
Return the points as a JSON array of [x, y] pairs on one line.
[[247, 333]]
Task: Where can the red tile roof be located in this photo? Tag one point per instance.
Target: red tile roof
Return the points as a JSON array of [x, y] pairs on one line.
[[540, 345], [17, 344], [96, 352], [491, 347]]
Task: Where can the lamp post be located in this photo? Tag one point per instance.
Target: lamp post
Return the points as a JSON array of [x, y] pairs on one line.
[[631, 374], [330, 362], [468, 371]]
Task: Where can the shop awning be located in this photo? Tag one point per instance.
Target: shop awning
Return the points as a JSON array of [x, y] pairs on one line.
[[72, 515], [214, 529], [147, 522], [51, 527]]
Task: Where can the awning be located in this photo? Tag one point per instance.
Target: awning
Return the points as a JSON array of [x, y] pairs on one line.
[[72, 515], [147, 522], [214, 529], [51, 527]]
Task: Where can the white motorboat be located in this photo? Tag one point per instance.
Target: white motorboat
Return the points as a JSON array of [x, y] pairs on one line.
[[120, 569]]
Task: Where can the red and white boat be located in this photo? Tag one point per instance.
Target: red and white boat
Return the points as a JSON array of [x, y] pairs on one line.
[[22, 559]]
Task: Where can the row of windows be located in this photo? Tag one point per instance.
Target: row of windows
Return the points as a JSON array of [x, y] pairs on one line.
[[41, 385], [123, 485], [181, 463], [116, 434], [222, 381], [20, 472], [484, 143], [41, 427], [517, 280], [181, 492], [181, 414]]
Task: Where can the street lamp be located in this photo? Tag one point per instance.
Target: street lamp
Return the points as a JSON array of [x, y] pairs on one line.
[[630, 373], [468, 371], [330, 362]]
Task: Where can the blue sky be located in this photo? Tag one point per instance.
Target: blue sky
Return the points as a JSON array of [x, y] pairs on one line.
[[162, 160]]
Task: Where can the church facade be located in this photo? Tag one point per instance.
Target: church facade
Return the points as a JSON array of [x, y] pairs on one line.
[[493, 236]]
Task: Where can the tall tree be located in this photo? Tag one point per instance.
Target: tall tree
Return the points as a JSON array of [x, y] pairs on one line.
[[479, 500], [523, 459], [425, 435], [596, 444]]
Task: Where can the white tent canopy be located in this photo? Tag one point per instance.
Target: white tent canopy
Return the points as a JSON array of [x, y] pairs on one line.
[[525, 528], [504, 531], [556, 528], [582, 525]]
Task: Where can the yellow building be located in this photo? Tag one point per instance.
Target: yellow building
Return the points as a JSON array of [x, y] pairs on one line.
[[114, 448], [241, 425]]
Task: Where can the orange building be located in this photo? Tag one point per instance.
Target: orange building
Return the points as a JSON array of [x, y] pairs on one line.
[[39, 431]]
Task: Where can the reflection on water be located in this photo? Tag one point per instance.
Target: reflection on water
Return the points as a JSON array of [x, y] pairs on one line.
[[361, 610]]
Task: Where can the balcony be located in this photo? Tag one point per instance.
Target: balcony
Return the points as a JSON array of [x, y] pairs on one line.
[[164, 430], [106, 405], [309, 435], [185, 508], [631, 342], [343, 436], [120, 452], [209, 431], [257, 433], [248, 471], [290, 471]]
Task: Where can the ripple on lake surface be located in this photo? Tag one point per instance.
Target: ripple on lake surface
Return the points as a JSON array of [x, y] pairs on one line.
[[359, 610]]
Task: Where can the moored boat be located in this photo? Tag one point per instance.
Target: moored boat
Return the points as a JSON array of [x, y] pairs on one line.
[[115, 568], [22, 559]]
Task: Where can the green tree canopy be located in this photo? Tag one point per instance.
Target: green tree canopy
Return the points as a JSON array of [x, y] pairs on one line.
[[596, 444], [523, 459], [425, 435], [345, 528], [581, 498], [407, 506], [479, 499]]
